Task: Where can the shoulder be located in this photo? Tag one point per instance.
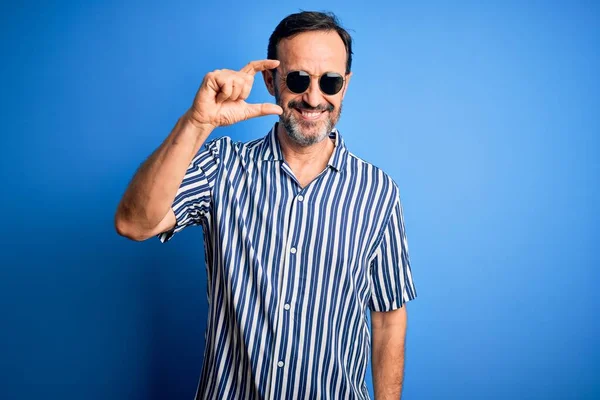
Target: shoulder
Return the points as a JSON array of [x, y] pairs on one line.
[[225, 146], [380, 181], [226, 142]]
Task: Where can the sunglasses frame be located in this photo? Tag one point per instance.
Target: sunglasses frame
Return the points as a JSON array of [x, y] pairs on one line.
[[285, 78]]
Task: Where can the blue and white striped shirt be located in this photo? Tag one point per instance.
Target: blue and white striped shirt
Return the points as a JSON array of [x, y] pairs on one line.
[[292, 270]]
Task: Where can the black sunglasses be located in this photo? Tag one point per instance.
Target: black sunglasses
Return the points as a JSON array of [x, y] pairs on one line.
[[299, 81]]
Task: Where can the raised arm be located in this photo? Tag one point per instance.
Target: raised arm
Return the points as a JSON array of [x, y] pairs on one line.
[[145, 208]]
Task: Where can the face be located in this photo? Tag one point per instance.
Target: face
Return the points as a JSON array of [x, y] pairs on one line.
[[309, 117]]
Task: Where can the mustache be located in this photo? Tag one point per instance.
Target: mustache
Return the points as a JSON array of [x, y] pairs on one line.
[[305, 106]]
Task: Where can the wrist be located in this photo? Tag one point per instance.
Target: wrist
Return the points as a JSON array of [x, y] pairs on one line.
[[188, 133], [189, 119], [191, 126]]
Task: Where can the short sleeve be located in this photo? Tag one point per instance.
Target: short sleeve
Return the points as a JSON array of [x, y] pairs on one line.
[[391, 276], [194, 196]]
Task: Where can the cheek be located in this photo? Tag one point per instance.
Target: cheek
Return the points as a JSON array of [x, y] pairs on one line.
[[336, 102]]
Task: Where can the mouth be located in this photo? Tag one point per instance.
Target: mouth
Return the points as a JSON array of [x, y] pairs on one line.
[[310, 115]]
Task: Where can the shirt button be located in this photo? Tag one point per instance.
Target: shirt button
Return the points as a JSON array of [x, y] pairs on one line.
[[293, 250], [300, 198], [280, 364], [287, 306]]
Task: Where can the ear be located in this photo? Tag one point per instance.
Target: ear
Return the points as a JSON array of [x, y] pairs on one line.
[[269, 81], [347, 77]]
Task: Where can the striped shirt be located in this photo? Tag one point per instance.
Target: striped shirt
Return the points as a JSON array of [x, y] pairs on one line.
[[292, 270]]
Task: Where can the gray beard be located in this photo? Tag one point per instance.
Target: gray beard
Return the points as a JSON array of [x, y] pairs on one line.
[[294, 131], [293, 127]]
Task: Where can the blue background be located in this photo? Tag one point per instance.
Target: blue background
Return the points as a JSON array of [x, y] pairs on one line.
[[485, 115]]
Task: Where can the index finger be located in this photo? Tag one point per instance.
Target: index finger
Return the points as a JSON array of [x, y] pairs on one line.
[[261, 65]]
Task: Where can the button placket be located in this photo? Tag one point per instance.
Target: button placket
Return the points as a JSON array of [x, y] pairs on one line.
[[283, 312]]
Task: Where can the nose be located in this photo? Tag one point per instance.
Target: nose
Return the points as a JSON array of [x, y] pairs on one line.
[[313, 95]]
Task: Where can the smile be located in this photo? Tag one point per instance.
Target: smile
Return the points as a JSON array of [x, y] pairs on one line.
[[309, 115]]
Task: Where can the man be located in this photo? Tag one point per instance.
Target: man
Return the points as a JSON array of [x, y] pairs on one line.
[[301, 236]]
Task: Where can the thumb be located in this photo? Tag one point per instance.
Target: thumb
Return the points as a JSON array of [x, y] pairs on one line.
[[259, 110]]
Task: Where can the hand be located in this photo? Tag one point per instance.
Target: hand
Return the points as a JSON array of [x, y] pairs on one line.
[[220, 99]]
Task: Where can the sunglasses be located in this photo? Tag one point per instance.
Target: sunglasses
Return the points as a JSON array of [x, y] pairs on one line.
[[330, 83]]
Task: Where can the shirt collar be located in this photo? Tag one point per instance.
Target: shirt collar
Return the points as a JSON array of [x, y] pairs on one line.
[[271, 149]]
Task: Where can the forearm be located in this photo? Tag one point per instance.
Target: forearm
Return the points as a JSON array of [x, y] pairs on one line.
[[388, 362], [153, 188]]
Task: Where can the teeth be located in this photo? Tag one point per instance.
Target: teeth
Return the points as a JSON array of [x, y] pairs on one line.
[[311, 114]]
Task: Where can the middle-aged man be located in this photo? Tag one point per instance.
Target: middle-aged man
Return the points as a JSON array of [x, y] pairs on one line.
[[301, 236]]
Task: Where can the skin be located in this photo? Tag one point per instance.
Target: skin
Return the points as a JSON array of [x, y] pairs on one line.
[[145, 208], [388, 336]]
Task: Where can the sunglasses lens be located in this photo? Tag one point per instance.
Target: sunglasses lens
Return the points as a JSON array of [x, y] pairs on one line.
[[331, 83], [298, 81]]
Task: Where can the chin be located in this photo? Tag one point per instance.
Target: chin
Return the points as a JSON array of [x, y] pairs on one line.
[[307, 134]]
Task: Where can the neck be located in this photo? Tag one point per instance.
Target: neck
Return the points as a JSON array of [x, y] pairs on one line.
[[316, 155]]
